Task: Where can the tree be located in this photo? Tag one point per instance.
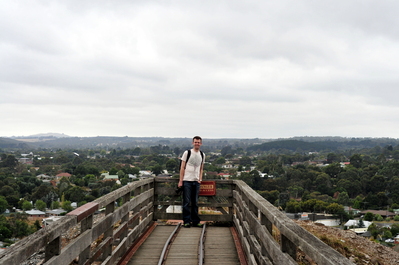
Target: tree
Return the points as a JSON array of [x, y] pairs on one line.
[[373, 229], [5, 232], [157, 169], [21, 229], [356, 160], [172, 165], [40, 205], [332, 157], [335, 208], [226, 150], [333, 170], [6, 190], [395, 228], [352, 188], [66, 205], [387, 234], [245, 161], [296, 191], [40, 192], [113, 171], [10, 161], [343, 198], [26, 206], [55, 205], [377, 184], [37, 225], [369, 216], [121, 174], [246, 177], [3, 204], [313, 205], [323, 183], [137, 151], [293, 206], [75, 194], [270, 196], [12, 200], [257, 183], [220, 161], [378, 217], [361, 223], [90, 178]]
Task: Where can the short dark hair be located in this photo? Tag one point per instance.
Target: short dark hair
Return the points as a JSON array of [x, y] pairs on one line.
[[197, 138]]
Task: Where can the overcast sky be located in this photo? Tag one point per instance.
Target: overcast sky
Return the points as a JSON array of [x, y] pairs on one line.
[[219, 69]]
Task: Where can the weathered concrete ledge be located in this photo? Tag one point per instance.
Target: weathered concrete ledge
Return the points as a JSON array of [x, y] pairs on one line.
[[49, 238], [84, 211], [257, 216]]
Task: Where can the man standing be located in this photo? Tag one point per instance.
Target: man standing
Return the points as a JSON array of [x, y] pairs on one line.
[[191, 171]]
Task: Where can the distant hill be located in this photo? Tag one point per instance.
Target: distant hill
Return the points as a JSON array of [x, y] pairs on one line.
[[111, 142], [41, 137], [10, 143], [300, 144], [53, 135], [320, 145]]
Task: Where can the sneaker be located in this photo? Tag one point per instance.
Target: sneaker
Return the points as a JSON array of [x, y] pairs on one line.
[[187, 225], [198, 225]]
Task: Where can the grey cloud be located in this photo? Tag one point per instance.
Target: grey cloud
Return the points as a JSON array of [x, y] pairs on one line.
[[225, 68]]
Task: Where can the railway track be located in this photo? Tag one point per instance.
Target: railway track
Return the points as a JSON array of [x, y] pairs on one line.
[[175, 245]]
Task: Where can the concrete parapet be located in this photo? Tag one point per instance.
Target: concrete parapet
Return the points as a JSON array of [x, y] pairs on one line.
[[50, 237], [84, 211], [256, 218], [37, 241]]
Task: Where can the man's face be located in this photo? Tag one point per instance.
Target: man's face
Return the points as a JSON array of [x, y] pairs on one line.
[[197, 144]]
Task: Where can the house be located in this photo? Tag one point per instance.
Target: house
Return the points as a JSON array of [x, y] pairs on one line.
[[224, 175], [349, 209], [44, 178], [355, 223], [344, 164], [35, 215], [106, 177], [359, 231], [61, 175], [131, 176], [227, 165], [366, 234], [145, 173], [55, 212], [383, 213]]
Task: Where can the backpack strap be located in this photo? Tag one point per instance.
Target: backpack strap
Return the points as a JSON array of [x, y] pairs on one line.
[[202, 156], [188, 157]]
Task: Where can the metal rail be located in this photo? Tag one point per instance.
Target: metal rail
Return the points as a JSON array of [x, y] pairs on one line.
[[201, 249], [168, 243], [173, 235]]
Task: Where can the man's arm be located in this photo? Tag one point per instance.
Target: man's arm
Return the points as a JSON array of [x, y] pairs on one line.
[[201, 171], [182, 169]]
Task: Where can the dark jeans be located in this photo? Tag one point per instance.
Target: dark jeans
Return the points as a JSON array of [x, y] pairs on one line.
[[190, 202]]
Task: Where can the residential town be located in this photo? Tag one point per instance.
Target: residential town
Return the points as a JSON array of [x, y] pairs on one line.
[[349, 190]]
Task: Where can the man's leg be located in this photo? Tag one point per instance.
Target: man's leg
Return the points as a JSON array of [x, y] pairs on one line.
[[194, 203], [186, 202]]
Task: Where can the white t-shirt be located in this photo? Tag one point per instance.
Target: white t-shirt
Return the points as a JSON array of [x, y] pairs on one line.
[[193, 166]]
